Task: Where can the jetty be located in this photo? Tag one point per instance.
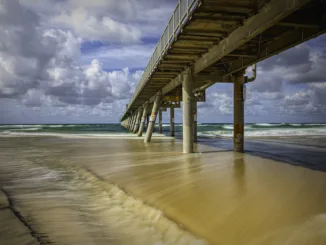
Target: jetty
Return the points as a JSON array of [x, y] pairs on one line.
[[215, 41]]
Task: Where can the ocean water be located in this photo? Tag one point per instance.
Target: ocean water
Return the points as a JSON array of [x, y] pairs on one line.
[[204, 129]]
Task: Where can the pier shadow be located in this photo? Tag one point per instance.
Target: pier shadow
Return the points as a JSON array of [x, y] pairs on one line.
[[298, 155], [239, 172], [207, 152], [310, 157]]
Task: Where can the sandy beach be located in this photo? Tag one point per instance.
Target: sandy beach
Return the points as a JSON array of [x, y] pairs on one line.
[[65, 190]]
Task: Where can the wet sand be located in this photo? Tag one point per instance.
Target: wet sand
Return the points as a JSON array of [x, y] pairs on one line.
[[122, 191]]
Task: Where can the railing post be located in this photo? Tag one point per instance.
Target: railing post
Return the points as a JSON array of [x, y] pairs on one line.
[[180, 5], [168, 30], [187, 9], [173, 24]]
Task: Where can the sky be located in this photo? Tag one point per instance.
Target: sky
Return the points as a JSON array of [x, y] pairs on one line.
[[79, 61]]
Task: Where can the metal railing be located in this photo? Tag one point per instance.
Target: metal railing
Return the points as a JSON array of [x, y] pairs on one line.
[[178, 19]]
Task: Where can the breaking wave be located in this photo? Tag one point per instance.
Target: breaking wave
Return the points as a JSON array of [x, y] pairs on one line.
[[204, 129]]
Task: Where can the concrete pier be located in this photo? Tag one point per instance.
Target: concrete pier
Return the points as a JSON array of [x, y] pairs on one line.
[[137, 120], [187, 101], [142, 122], [152, 118], [238, 114], [214, 58], [172, 121], [160, 127]]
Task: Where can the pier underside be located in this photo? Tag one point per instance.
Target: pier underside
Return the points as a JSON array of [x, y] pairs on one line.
[[211, 27], [217, 40]]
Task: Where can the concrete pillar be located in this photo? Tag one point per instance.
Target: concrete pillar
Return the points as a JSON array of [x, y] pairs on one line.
[[152, 118], [137, 120], [160, 126], [147, 120], [195, 119], [238, 114], [128, 122], [172, 121], [188, 120], [142, 122], [133, 122]]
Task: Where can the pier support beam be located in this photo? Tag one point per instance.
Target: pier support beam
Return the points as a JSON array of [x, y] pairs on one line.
[[172, 121], [152, 118], [132, 122], [128, 123], [195, 119], [143, 119], [137, 120], [188, 120], [147, 120], [238, 114], [160, 127]]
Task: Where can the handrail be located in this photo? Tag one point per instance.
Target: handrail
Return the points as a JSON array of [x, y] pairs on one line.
[[179, 17]]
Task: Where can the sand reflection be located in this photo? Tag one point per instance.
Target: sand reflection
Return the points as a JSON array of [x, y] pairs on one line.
[[142, 194]]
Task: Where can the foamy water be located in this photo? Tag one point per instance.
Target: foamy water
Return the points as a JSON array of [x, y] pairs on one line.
[[273, 132]]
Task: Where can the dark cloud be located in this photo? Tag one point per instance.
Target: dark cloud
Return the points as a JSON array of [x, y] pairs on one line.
[[43, 60], [24, 52], [265, 83], [296, 56], [302, 64]]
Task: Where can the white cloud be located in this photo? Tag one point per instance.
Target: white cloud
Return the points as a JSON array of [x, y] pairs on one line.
[[123, 21], [115, 57], [51, 72], [90, 27], [68, 45], [37, 98]]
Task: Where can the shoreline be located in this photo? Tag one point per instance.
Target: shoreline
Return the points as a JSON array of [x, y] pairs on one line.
[[79, 135], [163, 135]]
